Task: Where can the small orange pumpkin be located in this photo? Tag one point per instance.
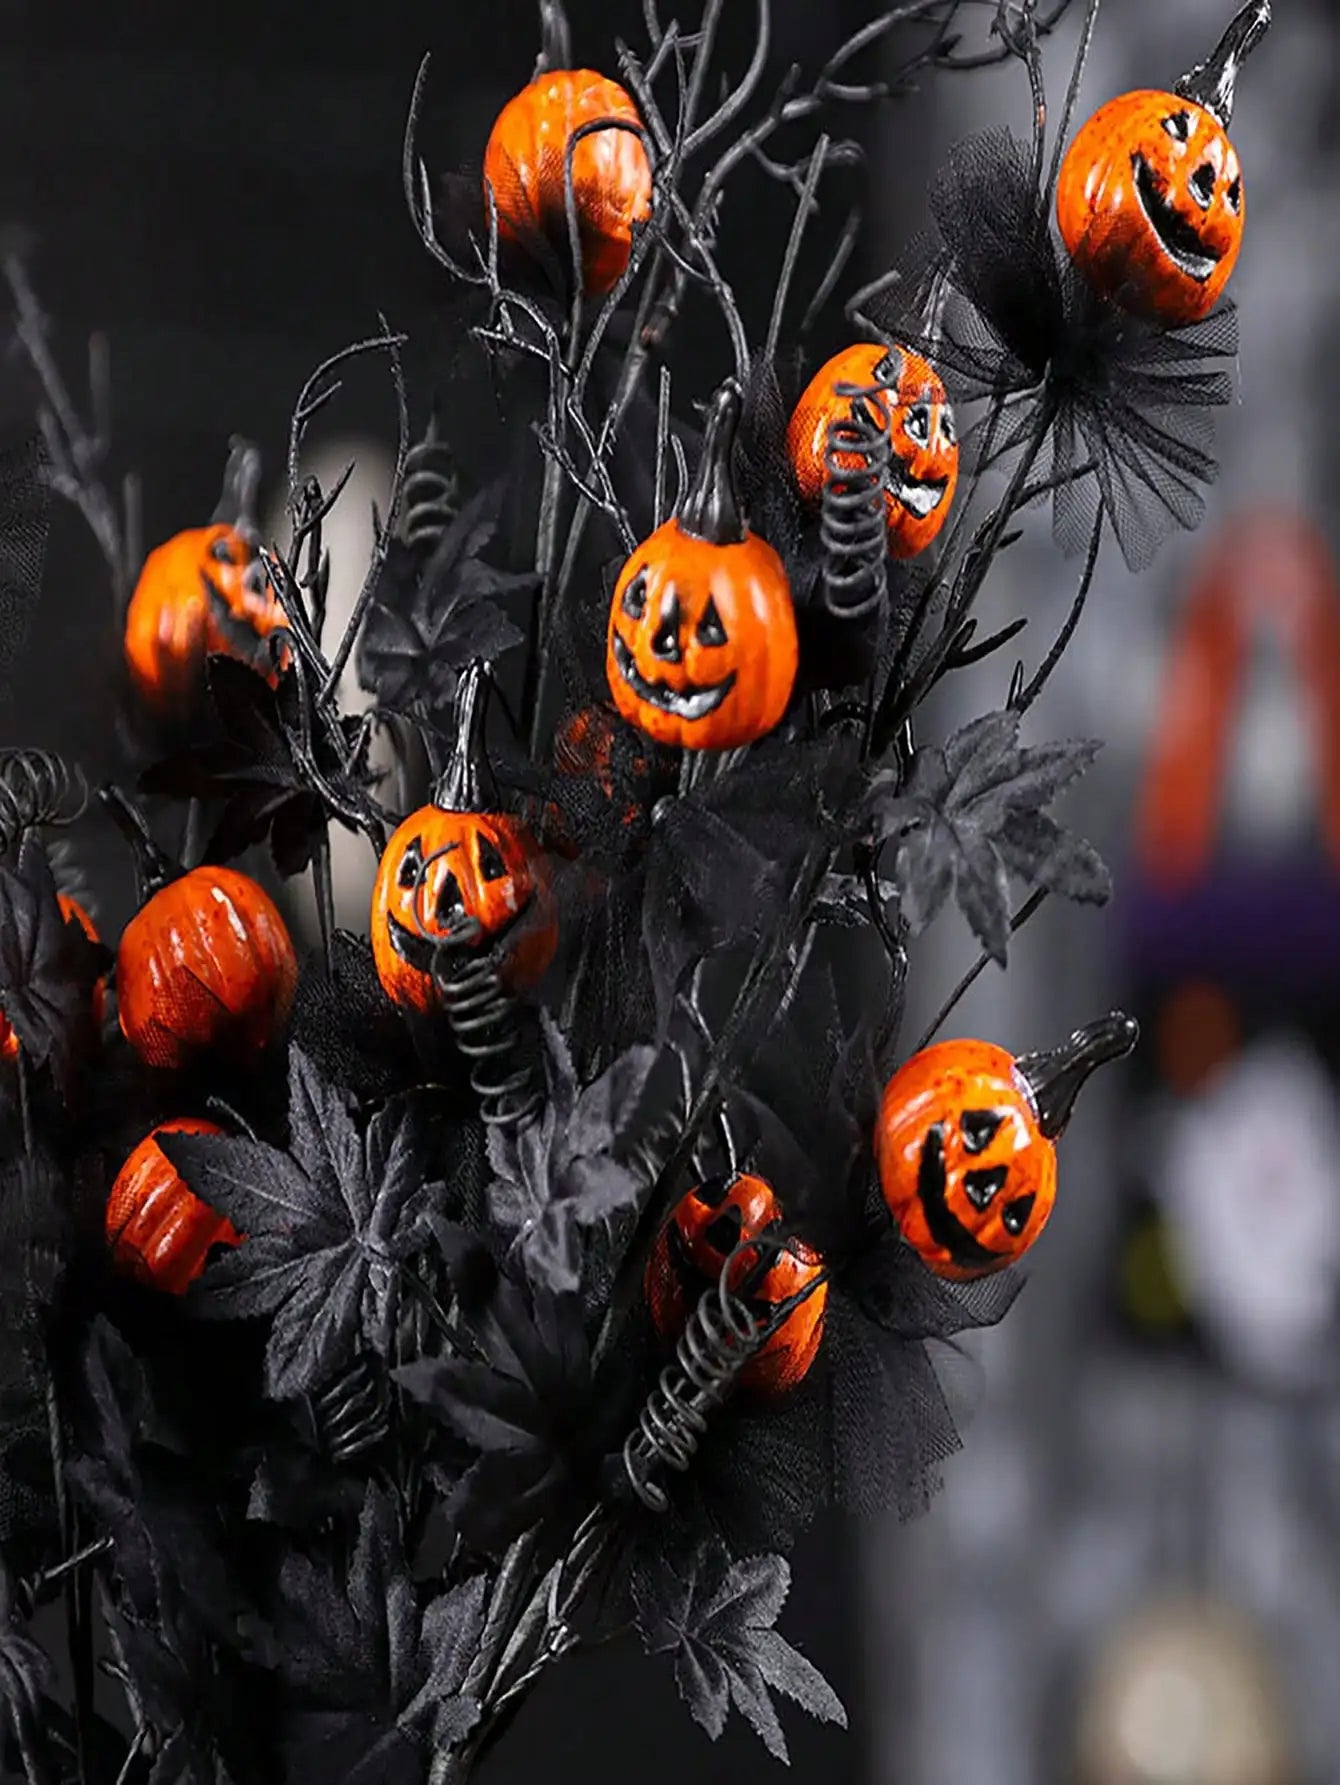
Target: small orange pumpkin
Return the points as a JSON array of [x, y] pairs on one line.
[[922, 431], [966, 1144], [691, 1252], [450, 860], [205, 591], [206, 965], [1150, 198], [159, 1231], [702, 648], [526, 161]]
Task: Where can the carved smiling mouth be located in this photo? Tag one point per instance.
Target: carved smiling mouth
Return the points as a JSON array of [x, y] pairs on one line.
[[919, 496], [416, 951], [681, 703], [1196, 258]]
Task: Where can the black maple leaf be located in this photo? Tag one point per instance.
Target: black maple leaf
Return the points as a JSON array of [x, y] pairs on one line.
[[563, 1173], [717, 1616], [971, 814], [524, 1404], [278, 775], [377, 1665], [328, 1225], [426, 624], [48, 966]]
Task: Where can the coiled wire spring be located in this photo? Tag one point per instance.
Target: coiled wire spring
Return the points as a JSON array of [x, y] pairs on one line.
[[352, 1414], [37, 788], [431, 493], [483, 1018], [721, 1336], [858, 455]]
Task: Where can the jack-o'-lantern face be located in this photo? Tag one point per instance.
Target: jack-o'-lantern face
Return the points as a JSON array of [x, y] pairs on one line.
[[440, 867], [702, 649], [1150, 199], [966, 1144], [1151, 205], [923, 475], [203, 592], [688, 1258]]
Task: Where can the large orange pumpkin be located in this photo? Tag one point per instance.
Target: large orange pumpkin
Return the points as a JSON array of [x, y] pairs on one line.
[[450, 860], [1150, 199], [702, 648], [691, 1252], [922, 433], [966, 1144], [525, 166], [207, 965], [159, 1231]]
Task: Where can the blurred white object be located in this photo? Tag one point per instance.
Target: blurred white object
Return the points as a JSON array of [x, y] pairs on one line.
[[1249, 1184], [1184, 1694], [348, 538]]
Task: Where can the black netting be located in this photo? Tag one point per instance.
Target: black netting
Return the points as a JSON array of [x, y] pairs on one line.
[[24, 515]]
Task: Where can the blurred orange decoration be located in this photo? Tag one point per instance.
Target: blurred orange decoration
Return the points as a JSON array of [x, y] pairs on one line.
[[1266, 569]]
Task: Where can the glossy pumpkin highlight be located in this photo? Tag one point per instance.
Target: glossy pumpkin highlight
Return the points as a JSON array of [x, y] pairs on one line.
[[525, 167], [207, 965], [688, 1259], [922, 433], [158, 1230]]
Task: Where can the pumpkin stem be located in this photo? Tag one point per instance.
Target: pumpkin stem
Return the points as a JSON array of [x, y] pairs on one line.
[[460, 788], [555, 38], [153, 869], [711, 510], [1056, 1078], [241, 480], [1214, 82]]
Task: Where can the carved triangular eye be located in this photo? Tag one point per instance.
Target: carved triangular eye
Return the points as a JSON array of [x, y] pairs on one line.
[[983, 1187], [724, 1234], [1015, 1218], [634, 602], [979, 1128], [710, 629], [491, 864], [411, 863]]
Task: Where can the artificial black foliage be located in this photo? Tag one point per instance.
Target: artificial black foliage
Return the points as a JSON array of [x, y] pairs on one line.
[[372, 1657], [329, 1226], [563, 1174], [48, 966], [523, 1400], [428, 620], [279, 775], [718, 1616], [972, 813]]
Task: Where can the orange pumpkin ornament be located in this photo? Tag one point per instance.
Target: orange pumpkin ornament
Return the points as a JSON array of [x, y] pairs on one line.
[[702, 648], [527, 157], [691, 1252], [1150, 199], [159, 1231], [922, 432], [966, 1144], [451, 860], [206, 965], [205, 591]]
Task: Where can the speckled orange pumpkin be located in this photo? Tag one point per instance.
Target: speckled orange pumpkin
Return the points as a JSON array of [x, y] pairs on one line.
[[525, 165], [965, 1144], [702, 648], [158, 1230], [688, 1258], [207, 965], [1150, 200], [922, 433]]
